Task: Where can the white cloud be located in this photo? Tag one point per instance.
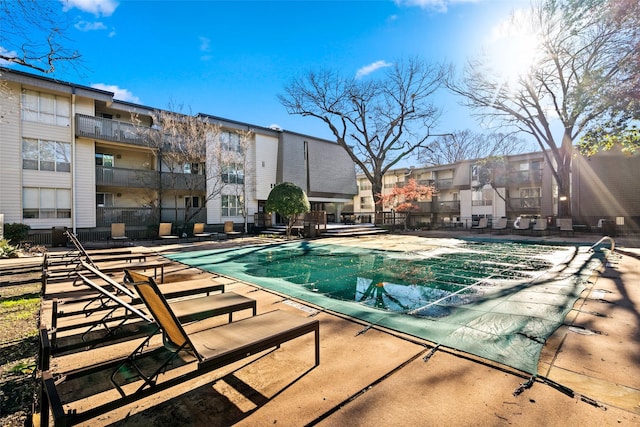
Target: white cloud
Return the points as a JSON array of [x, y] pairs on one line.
[[205, 44], [90, 26], [368, 69], [5, 52], [438, 5], [118, 93], [96, 7]]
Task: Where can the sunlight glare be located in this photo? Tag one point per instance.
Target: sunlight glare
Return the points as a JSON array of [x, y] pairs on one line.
[[513, 48]]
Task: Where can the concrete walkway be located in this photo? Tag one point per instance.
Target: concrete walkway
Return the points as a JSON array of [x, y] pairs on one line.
[[589, 371]]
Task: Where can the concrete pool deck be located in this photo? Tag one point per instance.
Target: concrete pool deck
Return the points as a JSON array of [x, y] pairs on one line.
[[589, 370]]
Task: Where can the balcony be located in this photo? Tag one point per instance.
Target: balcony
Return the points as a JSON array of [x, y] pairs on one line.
[[444, 183], [526, 204], [105, 216], [139, 178], [140, 216], [183, 181], [130, 178], [526, 177], [452, 206], [108, 130]]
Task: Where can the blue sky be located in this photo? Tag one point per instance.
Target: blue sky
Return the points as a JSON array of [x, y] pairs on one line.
[[232, 58]]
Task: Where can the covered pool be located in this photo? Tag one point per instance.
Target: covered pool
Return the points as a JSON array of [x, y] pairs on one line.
[[497, 300]]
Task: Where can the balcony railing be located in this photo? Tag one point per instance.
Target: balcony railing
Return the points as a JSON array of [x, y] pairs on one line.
[[139, 216], [108, 130], [452, 206], [444, 183], [525, 177], [105, 216], [183, 181], [525, 203], [131, 178], [481, 202]]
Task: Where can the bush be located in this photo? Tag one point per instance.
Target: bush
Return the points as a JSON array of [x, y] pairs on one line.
[[16, 232], [6, 250]]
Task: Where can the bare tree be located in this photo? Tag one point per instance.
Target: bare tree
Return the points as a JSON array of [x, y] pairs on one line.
[[583, 51], [191, 160], [378, 122], [468, 145], [238, 162], [34, 34]]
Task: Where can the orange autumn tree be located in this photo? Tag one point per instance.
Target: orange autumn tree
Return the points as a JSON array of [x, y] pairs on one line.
[[404, 199]]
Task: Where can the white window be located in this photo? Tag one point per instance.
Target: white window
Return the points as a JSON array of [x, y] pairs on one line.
[[231, 205], [46, 203], [483, 197], [233, 173], [45, 108], [46, 155], [230, 141]]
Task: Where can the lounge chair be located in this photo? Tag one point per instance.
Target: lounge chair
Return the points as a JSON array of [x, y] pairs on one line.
[[103, 256], [198, 231], [164, 232], [483, 223], [219, 346], [66, 267], [523, 225], [111, 310], [499, 226], [565, 225], [210, 349], [228, 229], [540, 227], [118, 232]]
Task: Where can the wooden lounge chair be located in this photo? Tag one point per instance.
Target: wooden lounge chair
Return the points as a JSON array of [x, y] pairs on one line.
[[118, 232], [499, 226], [483, 223], [198, 231], [111, 310], [164, 232]]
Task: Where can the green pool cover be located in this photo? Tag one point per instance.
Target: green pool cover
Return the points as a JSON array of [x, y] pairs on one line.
[[497, 300]]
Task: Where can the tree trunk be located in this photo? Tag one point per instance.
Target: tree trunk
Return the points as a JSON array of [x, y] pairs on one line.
[[564, 174], [376, 190]]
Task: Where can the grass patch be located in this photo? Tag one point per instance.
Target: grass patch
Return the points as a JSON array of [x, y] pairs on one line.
[[19, 318]]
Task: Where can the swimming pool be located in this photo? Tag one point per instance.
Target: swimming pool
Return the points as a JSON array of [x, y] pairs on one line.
[[498, 300]]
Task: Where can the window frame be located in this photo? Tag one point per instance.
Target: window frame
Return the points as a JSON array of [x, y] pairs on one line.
[[49, 156], [231, 209], [46, 108], [46, 203]]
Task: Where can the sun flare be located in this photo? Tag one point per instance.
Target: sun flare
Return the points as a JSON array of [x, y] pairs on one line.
[[513, 47]]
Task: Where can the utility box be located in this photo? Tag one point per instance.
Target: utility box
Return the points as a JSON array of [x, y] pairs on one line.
[[58, 238]]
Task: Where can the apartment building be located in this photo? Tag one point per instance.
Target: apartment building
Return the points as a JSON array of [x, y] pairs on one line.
[[73, 156], [604, 188]]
